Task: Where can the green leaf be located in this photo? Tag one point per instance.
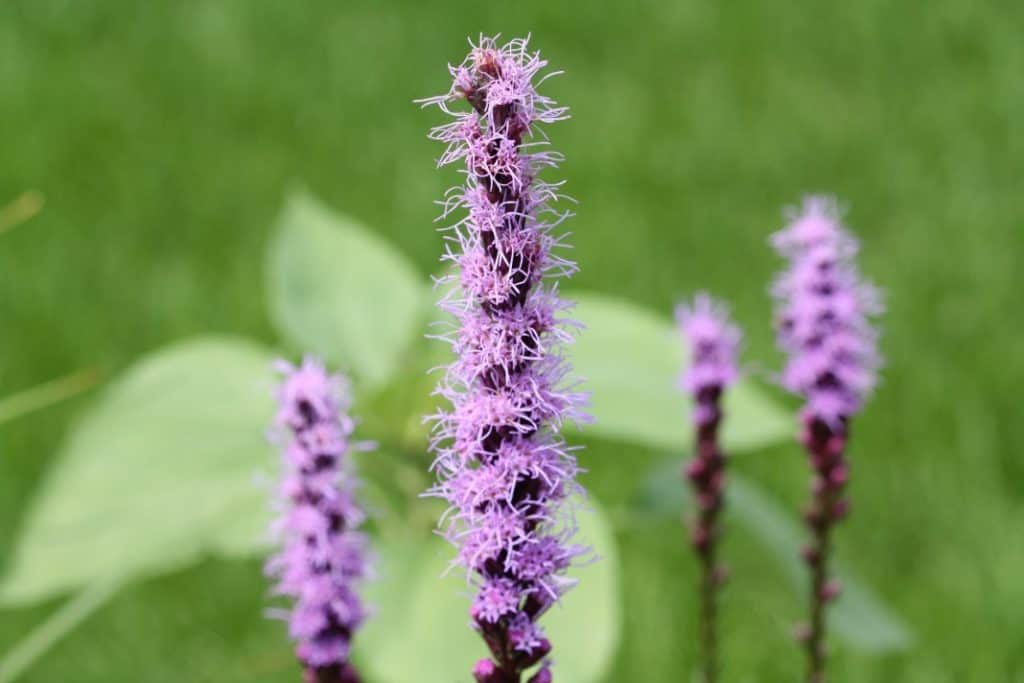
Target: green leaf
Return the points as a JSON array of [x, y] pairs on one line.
[[421, 630], [859, 618], [338, 290], [161, 470], [631, 359]]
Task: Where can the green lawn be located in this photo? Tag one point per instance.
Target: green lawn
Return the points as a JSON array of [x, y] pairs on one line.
[[164, 136]]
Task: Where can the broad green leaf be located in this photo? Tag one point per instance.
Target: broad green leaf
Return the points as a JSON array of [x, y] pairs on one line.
[[421, 630], [859, 617], [338, 290], [631, 360], [161, 470]]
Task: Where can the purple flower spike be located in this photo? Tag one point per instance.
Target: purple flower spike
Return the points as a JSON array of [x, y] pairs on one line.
[[501, 461], [323, 557], [831, 348], [714, 343], [832, 362]]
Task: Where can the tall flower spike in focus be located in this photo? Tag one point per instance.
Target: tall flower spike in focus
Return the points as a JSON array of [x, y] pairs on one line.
[[501, 461], [714, 343], [324, 557], [832, 362]]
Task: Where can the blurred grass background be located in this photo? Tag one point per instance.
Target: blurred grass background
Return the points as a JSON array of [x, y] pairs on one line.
[[164, 135]]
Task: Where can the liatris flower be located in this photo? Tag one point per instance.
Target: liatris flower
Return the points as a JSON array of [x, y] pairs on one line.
[[323, 556], [713, 341], [832, 363], [500, 459]]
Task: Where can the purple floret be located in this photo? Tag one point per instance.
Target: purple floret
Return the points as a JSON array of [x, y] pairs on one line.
[[501, 461], [323, 556]]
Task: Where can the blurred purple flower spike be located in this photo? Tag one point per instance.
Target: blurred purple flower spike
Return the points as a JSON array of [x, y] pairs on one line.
[[323, 556], [832, 363], [714, 343]]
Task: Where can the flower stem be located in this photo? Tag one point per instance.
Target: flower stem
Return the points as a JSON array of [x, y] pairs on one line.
[[708, 614], [707, 476], [825, 448]]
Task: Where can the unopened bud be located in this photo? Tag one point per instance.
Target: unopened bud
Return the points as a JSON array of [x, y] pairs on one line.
[[839, 475], [486, 671], [831, 590], [841, 508], [835, 445], [542, 676]]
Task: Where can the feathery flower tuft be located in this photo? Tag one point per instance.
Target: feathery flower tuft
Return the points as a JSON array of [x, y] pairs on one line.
[[323, 557], [714, 342], [823, 315], [501, 462], [832, 362]]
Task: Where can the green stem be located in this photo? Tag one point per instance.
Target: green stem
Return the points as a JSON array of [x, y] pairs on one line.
[[46, 394]]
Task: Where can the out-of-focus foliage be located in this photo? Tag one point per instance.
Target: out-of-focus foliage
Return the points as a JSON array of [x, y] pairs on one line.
[[164, 136]]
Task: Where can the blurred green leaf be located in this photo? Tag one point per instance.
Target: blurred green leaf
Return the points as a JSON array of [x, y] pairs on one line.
[[160, 470], [859, 618], [338, 290], [421, 631], [631, 359]]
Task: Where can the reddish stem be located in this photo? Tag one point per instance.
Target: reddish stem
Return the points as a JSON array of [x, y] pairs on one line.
[[825, 448], [706, 473]]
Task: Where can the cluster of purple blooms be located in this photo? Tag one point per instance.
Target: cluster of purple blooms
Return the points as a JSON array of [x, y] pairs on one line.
[[714, 342], [823, 326], [501, 462], [323, 557], [823, 315]]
